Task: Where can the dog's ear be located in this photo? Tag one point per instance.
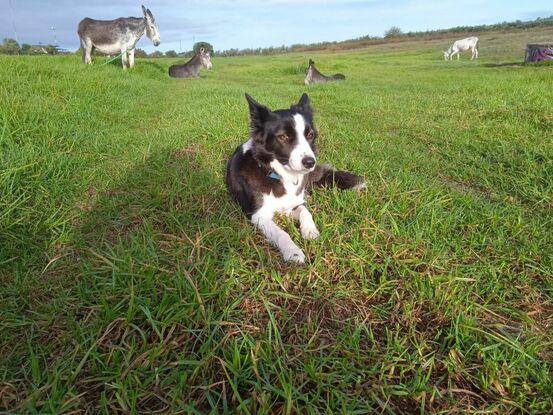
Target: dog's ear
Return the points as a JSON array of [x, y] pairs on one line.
[[303, 105], [259, 114]]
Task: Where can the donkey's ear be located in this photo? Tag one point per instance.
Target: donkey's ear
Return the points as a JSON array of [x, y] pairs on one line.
[[259, 113], [311, 62], [303, 104], [144, 11]]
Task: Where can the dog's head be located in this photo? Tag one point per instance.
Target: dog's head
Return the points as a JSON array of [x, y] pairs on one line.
[[286, 135]]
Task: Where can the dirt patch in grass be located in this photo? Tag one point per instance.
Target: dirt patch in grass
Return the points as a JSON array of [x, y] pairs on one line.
[[464, 186]]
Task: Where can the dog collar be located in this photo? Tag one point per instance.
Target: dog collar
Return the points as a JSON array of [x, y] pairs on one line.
[[274, 175]]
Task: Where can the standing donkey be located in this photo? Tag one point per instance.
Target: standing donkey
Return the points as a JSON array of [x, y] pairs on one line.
[[117, 36], [191, 69]]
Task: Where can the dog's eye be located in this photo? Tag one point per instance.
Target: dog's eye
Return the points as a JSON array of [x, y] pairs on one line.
[[283, 137], [311, 135]]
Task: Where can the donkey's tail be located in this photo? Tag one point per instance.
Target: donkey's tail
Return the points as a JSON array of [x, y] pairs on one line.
[[338, 77], [326, 176]]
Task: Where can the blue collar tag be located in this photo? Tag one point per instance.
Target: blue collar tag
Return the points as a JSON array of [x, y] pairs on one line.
[[275, 175]]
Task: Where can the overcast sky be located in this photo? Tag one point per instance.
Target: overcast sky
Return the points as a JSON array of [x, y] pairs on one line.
[[253, 23]]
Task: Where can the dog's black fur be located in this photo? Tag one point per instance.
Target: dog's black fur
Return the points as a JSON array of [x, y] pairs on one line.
[[274, 136]]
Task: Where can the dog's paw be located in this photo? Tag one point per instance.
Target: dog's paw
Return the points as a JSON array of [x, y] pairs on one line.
[[309, 232], [293, 254]]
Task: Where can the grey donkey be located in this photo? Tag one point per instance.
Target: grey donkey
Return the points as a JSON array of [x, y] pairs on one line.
[[117, 36], [191, 69], [313, 76]]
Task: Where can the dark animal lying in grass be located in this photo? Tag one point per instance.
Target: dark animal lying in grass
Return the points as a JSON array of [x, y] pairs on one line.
[[270, 172], [313, 76], [191, 69]]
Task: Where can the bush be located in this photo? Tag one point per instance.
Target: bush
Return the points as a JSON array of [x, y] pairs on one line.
[[171, 54], [207, 46], [25, 48], [140, 53], [9, 47], [393, 31]]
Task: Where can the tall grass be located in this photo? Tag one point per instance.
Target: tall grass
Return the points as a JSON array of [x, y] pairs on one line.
[[130, 283]]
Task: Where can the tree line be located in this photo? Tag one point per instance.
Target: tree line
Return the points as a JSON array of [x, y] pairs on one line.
[[12, 47], [173, 54]]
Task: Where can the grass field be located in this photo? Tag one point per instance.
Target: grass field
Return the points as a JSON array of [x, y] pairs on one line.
[[129, 283]]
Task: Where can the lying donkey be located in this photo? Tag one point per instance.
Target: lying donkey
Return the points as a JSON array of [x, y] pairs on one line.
[[117, 36], [191, 69], [313, 76]]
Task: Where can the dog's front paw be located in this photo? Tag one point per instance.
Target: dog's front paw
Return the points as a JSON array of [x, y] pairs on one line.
[[309, 231], [293, 254]]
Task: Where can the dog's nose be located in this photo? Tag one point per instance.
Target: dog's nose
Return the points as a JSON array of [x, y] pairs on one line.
[[308, 162]]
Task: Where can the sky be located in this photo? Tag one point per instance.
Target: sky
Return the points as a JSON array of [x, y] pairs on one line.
[[257, 23]]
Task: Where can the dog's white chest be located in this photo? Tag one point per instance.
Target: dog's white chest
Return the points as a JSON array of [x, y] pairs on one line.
[[285, 203]]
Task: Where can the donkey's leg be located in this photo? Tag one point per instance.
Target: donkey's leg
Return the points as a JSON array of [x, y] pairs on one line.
[[124, 59], [131, 58], [86, 48]]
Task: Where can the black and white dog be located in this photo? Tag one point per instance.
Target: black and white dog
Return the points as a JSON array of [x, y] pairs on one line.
[[270, 172]]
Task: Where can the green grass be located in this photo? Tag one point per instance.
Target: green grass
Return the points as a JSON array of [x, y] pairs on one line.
[[129, 282]]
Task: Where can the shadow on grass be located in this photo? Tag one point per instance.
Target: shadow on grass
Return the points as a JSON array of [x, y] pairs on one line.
[[504, 64], [170, 194], [148, 275], [141, 65], [153, 66]]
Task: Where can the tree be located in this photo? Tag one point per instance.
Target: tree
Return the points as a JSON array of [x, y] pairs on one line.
[[51, 49], [37, 50], [171, 54], [207, 47], [140, 53], [25, 48], [393, 31], [156, 54], [9, 47]]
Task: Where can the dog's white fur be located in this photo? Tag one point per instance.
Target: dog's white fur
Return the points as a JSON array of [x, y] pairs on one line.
[[302, 149], [291, 203]]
